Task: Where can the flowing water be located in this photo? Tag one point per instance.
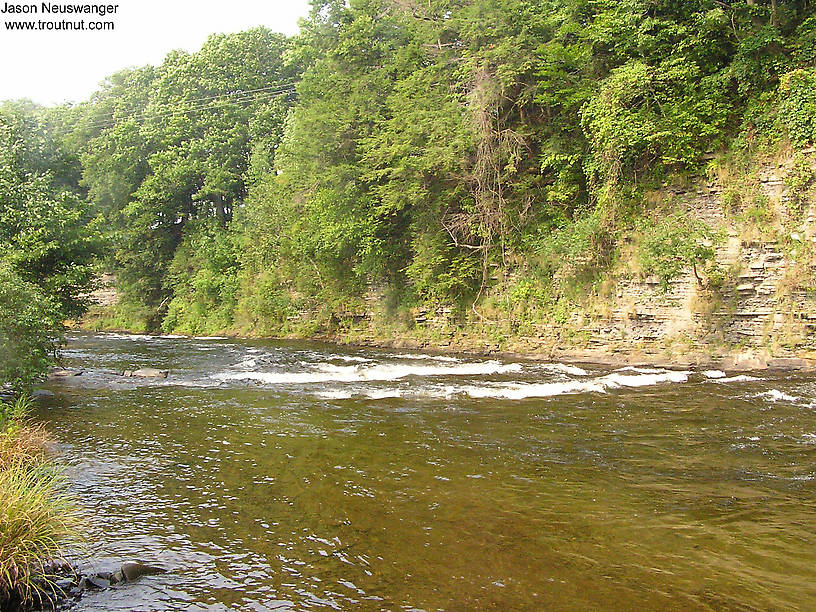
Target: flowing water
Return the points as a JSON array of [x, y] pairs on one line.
[[301, 476]]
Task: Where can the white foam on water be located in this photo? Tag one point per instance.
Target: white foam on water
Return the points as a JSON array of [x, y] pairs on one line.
[[738, 378], [775, 395], [423, 356], [283, 378], [326, 372], [714, 374], [648, 378], [524, 391], [128, 336], [246, 364], [563, 368], [352, 358], [809, 438], [210, 338], [382, 393], [119, 336], [601, 384], [335, 394], [328, 367]]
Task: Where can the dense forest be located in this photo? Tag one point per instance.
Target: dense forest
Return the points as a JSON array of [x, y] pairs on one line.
[[492, 157]]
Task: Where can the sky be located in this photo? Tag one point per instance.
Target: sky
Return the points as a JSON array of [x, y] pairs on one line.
[[51, 67]]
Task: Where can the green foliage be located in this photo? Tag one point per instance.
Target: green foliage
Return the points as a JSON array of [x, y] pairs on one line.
[[757, 214], [432, 149], [13, 413], [578, 248], [37, 518], [645, 117], [797, 105], [30, 328], [203, 280], [800, 182], [674, 243], [47, 233], [171, 146], [48, 243], [37, 521]]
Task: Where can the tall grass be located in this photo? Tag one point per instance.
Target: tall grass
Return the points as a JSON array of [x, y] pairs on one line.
[[13, 414], [37, 517], [20, 440]]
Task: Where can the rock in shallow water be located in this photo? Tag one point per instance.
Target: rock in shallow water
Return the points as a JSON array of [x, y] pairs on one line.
[[66, 373], [131, 570], [64, 583], [94, 582], [146, 373]]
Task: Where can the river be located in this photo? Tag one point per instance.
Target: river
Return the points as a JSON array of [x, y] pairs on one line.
[[303, 476]]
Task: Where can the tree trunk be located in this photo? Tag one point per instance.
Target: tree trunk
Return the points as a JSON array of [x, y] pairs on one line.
[[220, 210]]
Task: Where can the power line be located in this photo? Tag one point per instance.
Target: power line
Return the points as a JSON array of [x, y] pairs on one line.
[[251, 95], [197, 106]]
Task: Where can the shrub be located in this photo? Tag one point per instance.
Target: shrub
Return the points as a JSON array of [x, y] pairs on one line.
[[30, 328], [674, 244], [797, 105], [20, 441]]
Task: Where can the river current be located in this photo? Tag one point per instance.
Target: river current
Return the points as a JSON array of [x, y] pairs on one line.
[[303, 476]]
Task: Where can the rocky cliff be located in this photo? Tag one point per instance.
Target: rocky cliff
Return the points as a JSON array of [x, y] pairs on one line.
[[762, 312]]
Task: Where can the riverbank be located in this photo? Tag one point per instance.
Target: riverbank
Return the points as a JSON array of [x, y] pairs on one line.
[[729, 360], [733, 359], [754, 307]]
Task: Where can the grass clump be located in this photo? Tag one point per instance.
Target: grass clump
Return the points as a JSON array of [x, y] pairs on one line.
[[37, 517]]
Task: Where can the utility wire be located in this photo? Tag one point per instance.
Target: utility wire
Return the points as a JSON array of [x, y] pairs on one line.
[[212, 104], [204, 103]]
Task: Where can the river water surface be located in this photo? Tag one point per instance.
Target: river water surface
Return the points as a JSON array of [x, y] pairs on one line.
[[302, 476]]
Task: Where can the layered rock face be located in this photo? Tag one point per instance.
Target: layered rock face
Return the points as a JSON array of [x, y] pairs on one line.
[[766, 303], [762, 313]]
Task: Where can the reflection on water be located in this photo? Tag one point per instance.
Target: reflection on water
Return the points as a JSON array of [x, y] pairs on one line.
[[292, 476]]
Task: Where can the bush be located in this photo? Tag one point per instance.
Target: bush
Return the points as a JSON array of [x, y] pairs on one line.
[[797, 105], [674, 244], [203, 278], [645, 119], [30, 328]]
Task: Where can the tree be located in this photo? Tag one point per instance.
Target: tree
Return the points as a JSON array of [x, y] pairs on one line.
[[48, 244], [47, 233], [30, 328], [173, 145]]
